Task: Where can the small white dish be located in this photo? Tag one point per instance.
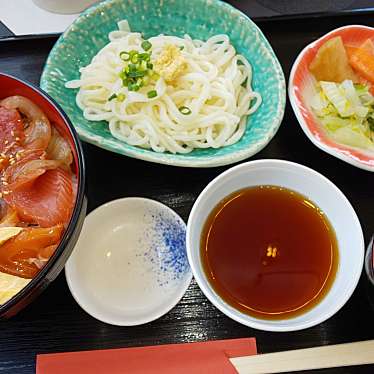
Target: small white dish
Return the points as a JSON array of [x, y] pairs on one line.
[[129, 266], [319, 190]]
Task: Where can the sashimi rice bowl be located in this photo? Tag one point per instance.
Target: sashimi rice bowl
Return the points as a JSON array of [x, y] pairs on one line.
[[42, 203]]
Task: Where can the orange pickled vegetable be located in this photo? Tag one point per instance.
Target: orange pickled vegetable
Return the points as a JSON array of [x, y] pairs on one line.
[[331, 63], [362, 60]]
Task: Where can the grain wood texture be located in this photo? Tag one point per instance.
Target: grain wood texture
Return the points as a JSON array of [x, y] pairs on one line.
[[55, 323], [337, 355]]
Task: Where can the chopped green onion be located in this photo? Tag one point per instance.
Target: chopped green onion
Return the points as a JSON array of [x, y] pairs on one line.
[[155, 76], [143, 66], [121, 97], [146, 45], [144, 56], [111, 97], [136, 74], [124, 56], [133, 87], [244, 84], [152, 94], [181, 47], [185, 110], [134, 58], [139, 82], [239, 63]]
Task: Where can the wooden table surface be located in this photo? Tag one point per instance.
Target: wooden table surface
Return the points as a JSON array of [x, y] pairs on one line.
[[55, 323]]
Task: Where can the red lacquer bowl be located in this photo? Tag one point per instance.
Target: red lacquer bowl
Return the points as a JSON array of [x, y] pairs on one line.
[[301, 89], [13, 86]]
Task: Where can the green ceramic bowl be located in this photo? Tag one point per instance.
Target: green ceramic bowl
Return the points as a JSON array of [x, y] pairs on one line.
[[199, 18]]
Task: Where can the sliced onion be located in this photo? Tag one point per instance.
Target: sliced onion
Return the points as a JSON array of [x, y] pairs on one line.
[[38, 133], [28, 168], [59, 149]]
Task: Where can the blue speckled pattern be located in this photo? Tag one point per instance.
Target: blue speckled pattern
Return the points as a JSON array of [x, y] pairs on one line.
[[165, 247], [199, 18]]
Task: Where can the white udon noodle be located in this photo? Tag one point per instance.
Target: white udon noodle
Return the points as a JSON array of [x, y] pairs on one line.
[[216, 88]]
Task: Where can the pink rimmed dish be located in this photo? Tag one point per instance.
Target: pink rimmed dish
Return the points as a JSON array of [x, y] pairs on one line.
[[302, 87]]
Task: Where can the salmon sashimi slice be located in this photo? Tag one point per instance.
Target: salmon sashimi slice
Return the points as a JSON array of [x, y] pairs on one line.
[[11, 134], [47, 202], [19, 255]]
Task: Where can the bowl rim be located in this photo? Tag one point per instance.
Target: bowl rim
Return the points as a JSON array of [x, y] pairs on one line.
[[38, 280], [256, 323], [180, 160], [181, 290], [303, 124], [369, 268]]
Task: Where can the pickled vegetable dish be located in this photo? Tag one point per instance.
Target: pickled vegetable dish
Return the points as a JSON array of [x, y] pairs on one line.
[[344, 102]]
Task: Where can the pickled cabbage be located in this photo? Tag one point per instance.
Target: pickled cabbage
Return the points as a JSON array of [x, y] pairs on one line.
[[346, 110]]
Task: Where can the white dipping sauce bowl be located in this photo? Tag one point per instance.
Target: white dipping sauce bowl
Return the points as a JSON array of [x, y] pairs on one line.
[[129, 266], [319, 190]]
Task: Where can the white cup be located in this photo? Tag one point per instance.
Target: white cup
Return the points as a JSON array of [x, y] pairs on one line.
[[319, 190], [64, 6]]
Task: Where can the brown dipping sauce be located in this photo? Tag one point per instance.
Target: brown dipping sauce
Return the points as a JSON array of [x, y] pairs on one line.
[[269, 252]]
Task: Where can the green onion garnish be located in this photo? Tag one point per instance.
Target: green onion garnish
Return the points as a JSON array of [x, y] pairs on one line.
[[139, 70], [146, 45], [152, 94], [144, 56], [133, 87], [244, 84], [125, 56], [136, 74], [143, 66], [185, 110], [134, 58], [132, 68], [111, 97], [181, 47]]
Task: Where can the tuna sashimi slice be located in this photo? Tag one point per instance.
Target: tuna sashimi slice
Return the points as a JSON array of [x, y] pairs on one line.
[[47, 202]]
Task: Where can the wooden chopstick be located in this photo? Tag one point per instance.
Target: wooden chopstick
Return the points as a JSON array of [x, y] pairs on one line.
[[349, 354]]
